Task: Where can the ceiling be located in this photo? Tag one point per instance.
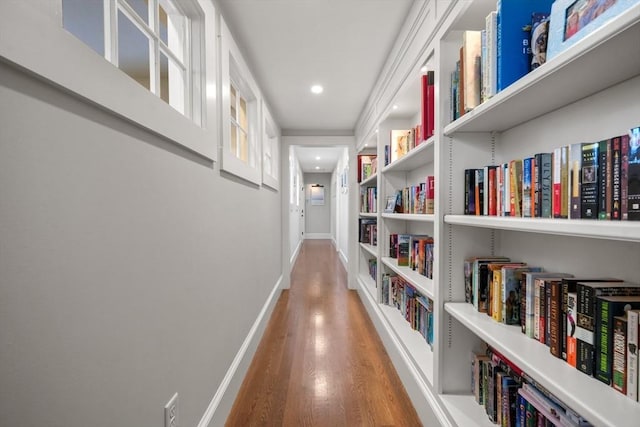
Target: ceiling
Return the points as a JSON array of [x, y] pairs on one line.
[[292, 44], [326, 163]]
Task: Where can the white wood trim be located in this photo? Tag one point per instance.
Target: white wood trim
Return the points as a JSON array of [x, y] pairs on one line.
[[220, 406], [294, 257], [56, 56]]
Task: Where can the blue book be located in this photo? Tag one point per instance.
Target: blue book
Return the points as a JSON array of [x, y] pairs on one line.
[[513, 56]]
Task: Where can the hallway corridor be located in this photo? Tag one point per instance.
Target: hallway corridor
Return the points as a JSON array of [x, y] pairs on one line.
[[321, 362]]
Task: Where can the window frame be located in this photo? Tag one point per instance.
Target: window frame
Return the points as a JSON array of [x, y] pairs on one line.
[[270, 147], [33, 38], [234, 68]]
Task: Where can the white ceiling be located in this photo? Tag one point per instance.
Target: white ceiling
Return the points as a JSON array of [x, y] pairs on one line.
[[291, 44], [328, 158]]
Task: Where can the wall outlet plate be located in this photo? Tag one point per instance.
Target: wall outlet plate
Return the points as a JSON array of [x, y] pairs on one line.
[[171, 412]]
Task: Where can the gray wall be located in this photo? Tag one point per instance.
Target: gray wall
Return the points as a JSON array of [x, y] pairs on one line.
[[123, 266], [318, 217]]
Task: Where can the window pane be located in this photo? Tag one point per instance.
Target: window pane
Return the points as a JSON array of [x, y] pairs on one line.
[[172, 84], [141, 7], [172, 28], [232, 102], [244, 147], [234, 139], [133, 51], [85, 20], [242, 119]]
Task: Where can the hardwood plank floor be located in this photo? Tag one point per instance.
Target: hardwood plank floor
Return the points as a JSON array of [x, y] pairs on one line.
[[320, 361]]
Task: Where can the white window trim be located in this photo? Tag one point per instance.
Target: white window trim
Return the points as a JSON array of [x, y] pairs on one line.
[[271, 143], [229, 161], [33, 39]]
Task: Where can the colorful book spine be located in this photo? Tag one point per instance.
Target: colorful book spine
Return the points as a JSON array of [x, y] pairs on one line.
[[575, 165], [633, 175], [491, 28], [616, 174], [589, 186], [624, 177], [619, 362], [604, 166], [633, 318]]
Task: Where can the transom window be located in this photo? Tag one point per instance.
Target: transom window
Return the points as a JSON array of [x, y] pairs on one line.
[[149, 40], [239, 124]]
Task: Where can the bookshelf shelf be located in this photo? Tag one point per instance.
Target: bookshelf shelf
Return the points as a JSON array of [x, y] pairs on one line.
[[369, 182], [367, 215], [465, 411], [555, 84], [369, 284], [410, 217], [422, 154], [413, 343], [610, 230], [598, 403], [372, 250], [422, 284]]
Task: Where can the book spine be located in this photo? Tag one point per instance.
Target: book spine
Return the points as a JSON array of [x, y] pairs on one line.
[[585, 329], [546, 185], [506, 203], [616, 167], [536, 310], [491, 23], [492, 186], [557, 183], [575, 162], [485, 191], [555, 326], [564, 181], [603, 178], [431, 104], [589, 186], [619, 362], [633, 317], [570, 336], [602, 337], [624, 177], [425, 107], [526, 187], [547, 313]]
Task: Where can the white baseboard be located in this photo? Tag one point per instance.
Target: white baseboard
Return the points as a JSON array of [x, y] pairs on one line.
[[334, 243], [344, 259], [424, 399], [220, 406], [326, 236], [292, 261]]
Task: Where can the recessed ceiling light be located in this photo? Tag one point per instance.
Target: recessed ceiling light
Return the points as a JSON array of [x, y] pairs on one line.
[[317, 167], [423, 69], [395, 107], [376, 130], [317, 89], [317, 157], [366, 145]]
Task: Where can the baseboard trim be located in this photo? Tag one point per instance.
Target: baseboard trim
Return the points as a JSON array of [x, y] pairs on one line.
[[220, 406], [425, 401], [344, 259], [323, 236], [292, 261]]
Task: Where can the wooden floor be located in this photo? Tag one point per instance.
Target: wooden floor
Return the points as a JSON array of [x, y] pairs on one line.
[[321, 362]]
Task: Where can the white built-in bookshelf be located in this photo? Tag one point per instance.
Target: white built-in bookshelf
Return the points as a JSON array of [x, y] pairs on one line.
[[588, 92]]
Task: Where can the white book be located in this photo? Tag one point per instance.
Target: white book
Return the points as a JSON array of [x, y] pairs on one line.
[[491, 27], [633, 317], [507, 190]]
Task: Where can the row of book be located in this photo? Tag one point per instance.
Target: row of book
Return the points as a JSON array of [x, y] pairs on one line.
[[596, 180], [512, 43], [367, 166], [416, 308], [373, 268], [413, 251], [591, 323], [405, 140], [368, 199], [417, 199], [368, 231], [512, 399]]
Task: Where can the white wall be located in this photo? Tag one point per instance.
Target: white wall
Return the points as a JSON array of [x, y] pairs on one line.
[[343, 223], [318, 217], [295, 205], [130, 268]]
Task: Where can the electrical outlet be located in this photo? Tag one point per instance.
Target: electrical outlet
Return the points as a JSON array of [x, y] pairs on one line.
[[171, 412]]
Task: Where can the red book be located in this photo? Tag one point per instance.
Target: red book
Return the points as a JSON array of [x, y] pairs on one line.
[[556, 201], [492, 191], [431, 194], [431, 105]]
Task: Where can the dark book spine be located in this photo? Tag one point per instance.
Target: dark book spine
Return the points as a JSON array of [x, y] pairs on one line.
[[633, 176], [567, 287], [523, 304], [619, 362], [483, 289], [624, 177], [616, 167], [555, 318], [542, 302], [589, 186], [545, 185], [586, 326], [547, 313], [603, 178]]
